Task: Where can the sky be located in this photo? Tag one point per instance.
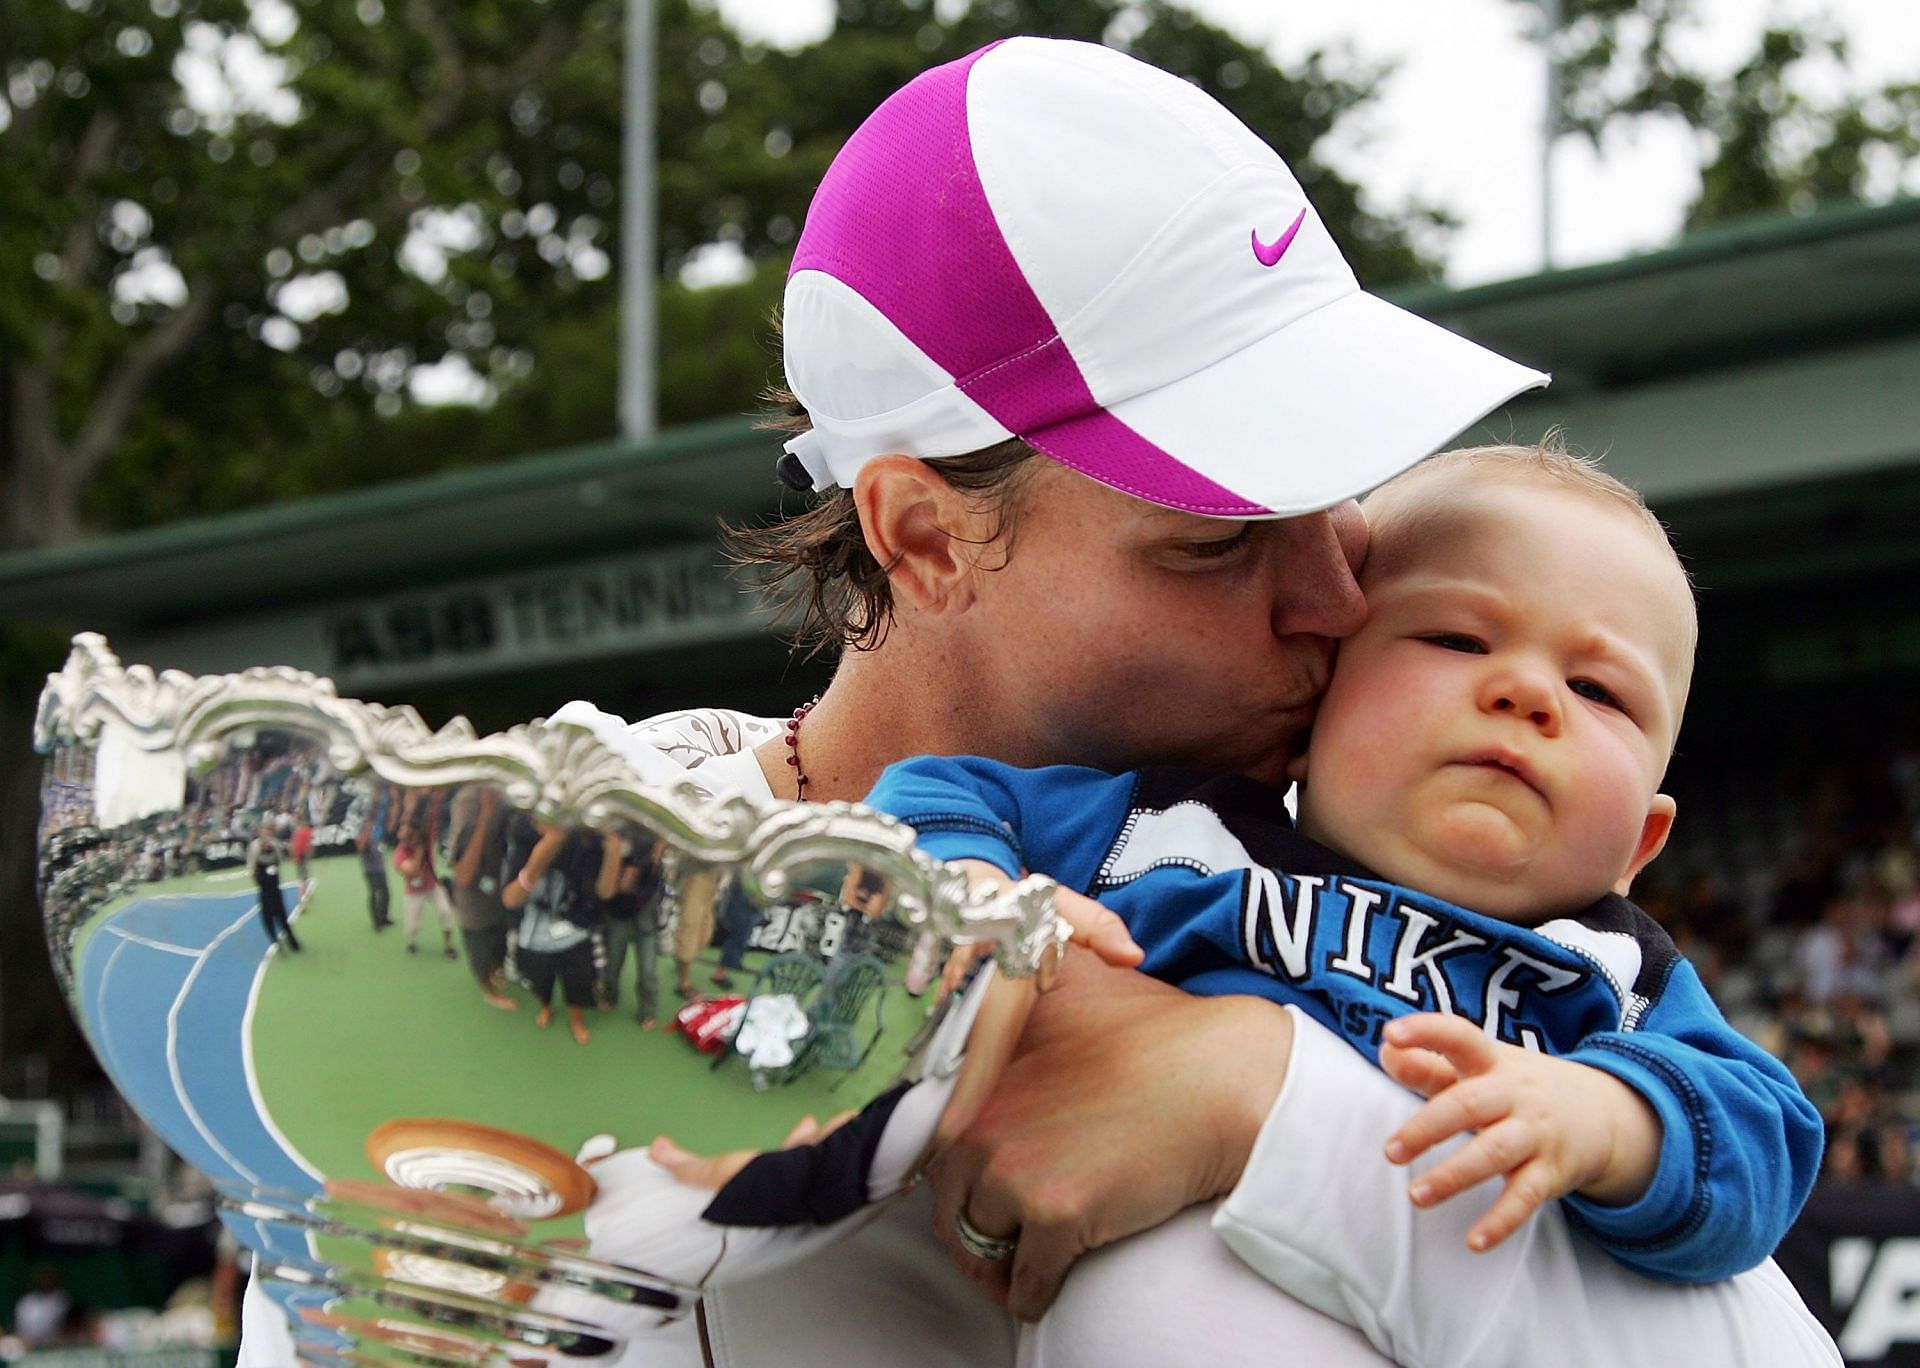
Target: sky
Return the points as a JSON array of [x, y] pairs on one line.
[[1457, 124]]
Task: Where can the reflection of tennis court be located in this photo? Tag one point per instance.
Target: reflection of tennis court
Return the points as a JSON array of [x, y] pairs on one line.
[[356, 1032], [165, 978]]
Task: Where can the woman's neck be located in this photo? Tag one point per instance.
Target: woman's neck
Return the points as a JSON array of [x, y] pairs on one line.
[[872, 714]]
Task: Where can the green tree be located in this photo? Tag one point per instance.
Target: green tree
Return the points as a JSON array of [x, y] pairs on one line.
[[237, 230], [1772, 143]]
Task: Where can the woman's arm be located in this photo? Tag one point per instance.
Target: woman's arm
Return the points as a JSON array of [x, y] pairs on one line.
[[1129, 1101], [1132, 1100]]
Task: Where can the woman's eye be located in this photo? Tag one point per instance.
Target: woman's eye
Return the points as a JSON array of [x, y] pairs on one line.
[[1596, 693], [1221, 546], [1456, 641]]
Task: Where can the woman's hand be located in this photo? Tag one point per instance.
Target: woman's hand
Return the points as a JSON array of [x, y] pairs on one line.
[[1128, 1102]]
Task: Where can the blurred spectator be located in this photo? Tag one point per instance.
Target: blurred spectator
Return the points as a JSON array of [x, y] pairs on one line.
[[373, 865], [696, 891], [41, 1312], [740, 917], [477, 840], [629, 889], [1840, 953], [553, 889], [1796, 894], [301, 848], [413, 857], [263, 863]]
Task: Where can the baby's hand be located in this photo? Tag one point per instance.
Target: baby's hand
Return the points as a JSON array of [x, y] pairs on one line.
[[1552, 1126], [1095, 926]]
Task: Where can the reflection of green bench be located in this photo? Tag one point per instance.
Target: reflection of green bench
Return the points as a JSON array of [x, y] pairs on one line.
[[797, 975], [836, 1040]]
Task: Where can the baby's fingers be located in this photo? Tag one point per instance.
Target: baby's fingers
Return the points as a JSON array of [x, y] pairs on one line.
[[1097, 928], [1526, 1192], [1462, 1044], [1471, 1104], [1499, 1149], [960, 962], [1423, 1071]]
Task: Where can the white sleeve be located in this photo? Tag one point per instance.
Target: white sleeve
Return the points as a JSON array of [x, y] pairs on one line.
[[1322, 1215], [266, 1340]]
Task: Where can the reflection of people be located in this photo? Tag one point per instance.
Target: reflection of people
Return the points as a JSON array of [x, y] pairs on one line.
[[740, 916], [413, 857], [373, 867], [1475, 741], [864, 891], [263, 863], [552, 888], [696, 890], [301, 848], [629, 890], [476, 835]]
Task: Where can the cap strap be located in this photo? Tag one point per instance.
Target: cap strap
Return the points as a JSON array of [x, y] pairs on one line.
[[803, 450]]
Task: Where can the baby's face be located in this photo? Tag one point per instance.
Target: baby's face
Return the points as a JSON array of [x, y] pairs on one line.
[[1496, 732]]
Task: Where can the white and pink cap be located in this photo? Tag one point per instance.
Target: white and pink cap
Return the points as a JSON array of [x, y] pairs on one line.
[[1051, 240]]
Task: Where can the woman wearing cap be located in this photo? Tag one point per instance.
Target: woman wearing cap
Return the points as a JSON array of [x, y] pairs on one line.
[[1050, 248], [1087, 392]]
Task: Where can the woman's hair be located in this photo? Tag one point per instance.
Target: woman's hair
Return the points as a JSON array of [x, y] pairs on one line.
[[815, 568]]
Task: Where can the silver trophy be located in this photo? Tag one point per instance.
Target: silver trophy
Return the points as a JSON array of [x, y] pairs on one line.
[[358, 971]]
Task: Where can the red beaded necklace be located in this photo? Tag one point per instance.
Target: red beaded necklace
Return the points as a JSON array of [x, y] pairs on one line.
[[793, 747]]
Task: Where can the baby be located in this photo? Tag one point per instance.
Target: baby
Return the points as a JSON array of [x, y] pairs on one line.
[[1493, 738]]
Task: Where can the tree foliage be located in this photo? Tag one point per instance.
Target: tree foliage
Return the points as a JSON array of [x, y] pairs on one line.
[[237, 230], [1772, 143]]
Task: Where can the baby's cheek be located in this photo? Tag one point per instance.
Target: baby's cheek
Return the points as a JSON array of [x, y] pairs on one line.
[[1613, 812], [1349, 790]]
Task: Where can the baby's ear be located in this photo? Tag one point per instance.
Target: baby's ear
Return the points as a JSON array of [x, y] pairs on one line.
[[1653, 839]]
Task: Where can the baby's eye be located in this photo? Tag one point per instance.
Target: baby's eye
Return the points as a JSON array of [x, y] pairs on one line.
[[1596, 693], [1456, 641]]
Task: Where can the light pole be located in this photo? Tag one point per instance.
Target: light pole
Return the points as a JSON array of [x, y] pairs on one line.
[[639, 400], [1549, 126]]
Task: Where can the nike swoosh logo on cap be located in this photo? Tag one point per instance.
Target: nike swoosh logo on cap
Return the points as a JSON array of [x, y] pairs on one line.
[[1269, 254]]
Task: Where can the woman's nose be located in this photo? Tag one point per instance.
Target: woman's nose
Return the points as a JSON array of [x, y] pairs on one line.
[[1316, 559]]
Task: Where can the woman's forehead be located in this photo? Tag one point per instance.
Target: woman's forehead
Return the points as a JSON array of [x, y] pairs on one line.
[[1064, 487]]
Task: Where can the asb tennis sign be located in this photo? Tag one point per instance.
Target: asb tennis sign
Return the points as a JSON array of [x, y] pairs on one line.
[[593, 609], [585, 610]]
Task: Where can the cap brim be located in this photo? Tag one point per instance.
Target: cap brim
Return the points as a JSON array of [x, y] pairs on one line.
[[1319, 412]]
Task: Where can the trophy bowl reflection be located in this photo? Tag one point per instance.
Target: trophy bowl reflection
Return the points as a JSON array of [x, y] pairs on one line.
[[361, 973]]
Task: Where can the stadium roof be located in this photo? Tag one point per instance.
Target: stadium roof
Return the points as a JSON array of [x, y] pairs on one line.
[[1719, 300]]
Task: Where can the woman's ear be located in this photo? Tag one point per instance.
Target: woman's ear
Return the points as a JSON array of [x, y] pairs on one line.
[[918, 528], [1653, 839]]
